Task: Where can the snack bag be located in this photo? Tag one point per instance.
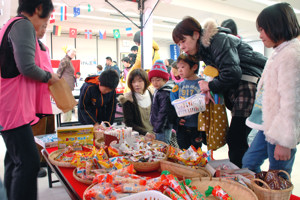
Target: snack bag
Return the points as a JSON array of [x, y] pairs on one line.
[[175, 185], [217, 191]]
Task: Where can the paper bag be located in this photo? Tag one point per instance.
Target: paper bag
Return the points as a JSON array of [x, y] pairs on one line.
[[62, 95]]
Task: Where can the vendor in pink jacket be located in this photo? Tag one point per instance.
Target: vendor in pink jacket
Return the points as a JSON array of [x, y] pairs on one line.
[[22, 72]]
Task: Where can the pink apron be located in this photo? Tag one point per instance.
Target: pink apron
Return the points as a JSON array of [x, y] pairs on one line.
[[43, 99], [19, 99]]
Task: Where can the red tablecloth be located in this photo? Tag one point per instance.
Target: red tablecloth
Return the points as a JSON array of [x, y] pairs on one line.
[[81, 187], [293, 197]]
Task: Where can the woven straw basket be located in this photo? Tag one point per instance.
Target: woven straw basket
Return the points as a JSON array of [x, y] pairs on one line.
[[159, 142], [149, 166], [85, 191], [146, 166], [99, 143], [182, 171], [100, 134], [85, 181], [236, 190], [52, 157], [269, 194]]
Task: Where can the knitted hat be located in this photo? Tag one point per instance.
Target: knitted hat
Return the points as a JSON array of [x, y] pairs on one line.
[[159, 70]]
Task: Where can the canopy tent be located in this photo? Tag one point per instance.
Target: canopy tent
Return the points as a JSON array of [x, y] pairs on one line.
[[141, 7]]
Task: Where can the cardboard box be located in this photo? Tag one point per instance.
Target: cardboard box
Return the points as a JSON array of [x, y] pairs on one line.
[[69, 135], [214, 165], [46, 141]]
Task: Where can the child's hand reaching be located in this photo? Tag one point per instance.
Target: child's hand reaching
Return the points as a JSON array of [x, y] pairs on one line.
[[282, 153]]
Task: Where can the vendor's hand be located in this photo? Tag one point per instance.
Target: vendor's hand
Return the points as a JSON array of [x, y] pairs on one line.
[[53, 79], [203, 86], [150, 136], [282, 153], [181, 122]]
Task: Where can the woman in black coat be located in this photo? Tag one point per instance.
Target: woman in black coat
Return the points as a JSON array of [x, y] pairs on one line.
[[239, 70]]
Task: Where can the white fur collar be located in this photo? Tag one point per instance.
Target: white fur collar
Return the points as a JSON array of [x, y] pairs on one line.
[[210, 28]]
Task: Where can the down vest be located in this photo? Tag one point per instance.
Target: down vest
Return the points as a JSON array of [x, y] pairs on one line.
[[230, 55]]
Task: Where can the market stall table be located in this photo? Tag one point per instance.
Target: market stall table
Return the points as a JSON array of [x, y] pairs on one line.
[[74, 188]]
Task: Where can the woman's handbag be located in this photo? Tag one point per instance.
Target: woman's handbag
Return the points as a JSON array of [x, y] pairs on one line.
[[62, 95], [214, 122]]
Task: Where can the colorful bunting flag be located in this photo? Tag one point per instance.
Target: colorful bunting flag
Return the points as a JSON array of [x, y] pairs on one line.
[[63, 13], [116, 33], [102, 34], [88, 34], [129, 31], [73, 33], [56, 30], [52, 17], [76, 11]]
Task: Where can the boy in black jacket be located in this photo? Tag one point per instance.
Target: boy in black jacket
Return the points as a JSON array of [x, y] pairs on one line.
[[97, 101], [161, 107]]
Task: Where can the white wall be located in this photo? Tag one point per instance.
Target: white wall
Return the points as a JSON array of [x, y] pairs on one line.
[[164, 49], [258, 46], [87, 50]]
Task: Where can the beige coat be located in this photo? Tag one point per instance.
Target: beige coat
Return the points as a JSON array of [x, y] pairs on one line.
[[66, 70]]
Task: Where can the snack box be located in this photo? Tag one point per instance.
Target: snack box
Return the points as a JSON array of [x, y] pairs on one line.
[[69, 135], [224, 164], [47, 140]]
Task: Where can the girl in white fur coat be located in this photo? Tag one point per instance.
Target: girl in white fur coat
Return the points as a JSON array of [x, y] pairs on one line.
[[277, 109]]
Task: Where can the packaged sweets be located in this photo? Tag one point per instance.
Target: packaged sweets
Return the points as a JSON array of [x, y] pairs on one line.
[[217, 191]]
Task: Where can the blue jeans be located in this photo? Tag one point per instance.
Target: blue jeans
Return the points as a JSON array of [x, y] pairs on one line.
[[2, 191], [165, 136], [260, 150]]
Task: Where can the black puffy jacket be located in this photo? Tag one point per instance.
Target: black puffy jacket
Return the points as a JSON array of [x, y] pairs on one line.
[[230, 55]]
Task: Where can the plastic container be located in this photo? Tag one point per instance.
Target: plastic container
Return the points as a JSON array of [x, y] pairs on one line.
[[147, 195], [192, 105]]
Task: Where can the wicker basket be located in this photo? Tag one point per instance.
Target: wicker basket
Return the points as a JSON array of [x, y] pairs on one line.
[[52, 157], [269, 194], [182, 171], [159, 142], [146, 195], [99, 143], [100, 134], [85, 191], [236, 190], [147, 166], [85, 181]]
